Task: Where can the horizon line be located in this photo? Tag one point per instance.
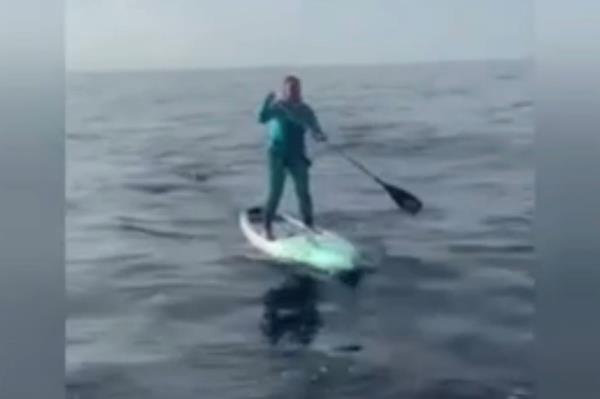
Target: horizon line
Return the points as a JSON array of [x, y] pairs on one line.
[[284, 66]]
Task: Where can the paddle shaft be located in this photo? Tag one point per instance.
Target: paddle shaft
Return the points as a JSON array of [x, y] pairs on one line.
[[402, 198], [355, 163]]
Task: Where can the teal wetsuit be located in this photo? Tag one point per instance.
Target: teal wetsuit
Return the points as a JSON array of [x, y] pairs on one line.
[[286, 152]]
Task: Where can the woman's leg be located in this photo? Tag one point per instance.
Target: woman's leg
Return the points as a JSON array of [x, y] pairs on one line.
[[276, 168], [299, 171]]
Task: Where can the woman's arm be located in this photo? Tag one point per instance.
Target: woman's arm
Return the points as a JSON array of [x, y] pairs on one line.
[[314, 126], [266, 110]]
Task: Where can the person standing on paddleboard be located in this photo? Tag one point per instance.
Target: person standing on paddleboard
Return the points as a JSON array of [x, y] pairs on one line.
[[287, 120]]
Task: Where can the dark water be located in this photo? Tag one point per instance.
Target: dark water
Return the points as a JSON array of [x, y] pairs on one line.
[[166, 300]]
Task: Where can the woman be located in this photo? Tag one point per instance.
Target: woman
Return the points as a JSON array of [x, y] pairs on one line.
[[288, 119]]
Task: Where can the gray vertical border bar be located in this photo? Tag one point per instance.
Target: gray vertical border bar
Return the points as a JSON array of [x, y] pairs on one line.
[[32, 288], [568, 198]]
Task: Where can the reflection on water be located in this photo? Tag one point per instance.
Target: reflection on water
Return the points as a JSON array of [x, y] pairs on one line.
[[290, 310]]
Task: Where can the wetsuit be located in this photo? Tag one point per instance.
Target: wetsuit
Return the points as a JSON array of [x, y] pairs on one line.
[[286, 153]]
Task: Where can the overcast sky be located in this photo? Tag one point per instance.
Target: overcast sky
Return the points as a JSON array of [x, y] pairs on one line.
[[142, 34]]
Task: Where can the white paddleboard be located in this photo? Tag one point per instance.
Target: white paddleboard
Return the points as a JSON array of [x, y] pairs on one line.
[[316, 249]]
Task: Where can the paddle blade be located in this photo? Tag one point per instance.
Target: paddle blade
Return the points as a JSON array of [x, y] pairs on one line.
[[403, 198]]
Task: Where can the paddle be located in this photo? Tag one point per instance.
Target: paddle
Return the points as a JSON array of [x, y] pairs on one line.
[[401, 197]]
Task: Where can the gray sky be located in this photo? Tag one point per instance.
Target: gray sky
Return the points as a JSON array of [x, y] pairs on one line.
[[141, 34]]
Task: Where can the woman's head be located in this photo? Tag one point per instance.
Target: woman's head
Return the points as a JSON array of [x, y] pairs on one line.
[[292, 89]]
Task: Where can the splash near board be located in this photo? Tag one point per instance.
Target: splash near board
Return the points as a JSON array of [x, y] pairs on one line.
[[317, 250]]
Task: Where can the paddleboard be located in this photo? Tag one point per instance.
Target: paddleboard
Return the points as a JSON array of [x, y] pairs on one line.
[[317, 249]]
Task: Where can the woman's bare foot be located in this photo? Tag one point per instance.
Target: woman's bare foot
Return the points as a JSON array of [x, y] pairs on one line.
[[269, 235]]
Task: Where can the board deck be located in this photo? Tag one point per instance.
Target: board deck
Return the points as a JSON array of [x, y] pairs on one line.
[[316, 249]]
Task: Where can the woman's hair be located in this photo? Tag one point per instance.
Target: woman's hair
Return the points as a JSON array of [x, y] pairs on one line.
[[292, 89], [291, 79]]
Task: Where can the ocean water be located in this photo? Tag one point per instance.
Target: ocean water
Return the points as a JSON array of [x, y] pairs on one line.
[[166, 299]]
